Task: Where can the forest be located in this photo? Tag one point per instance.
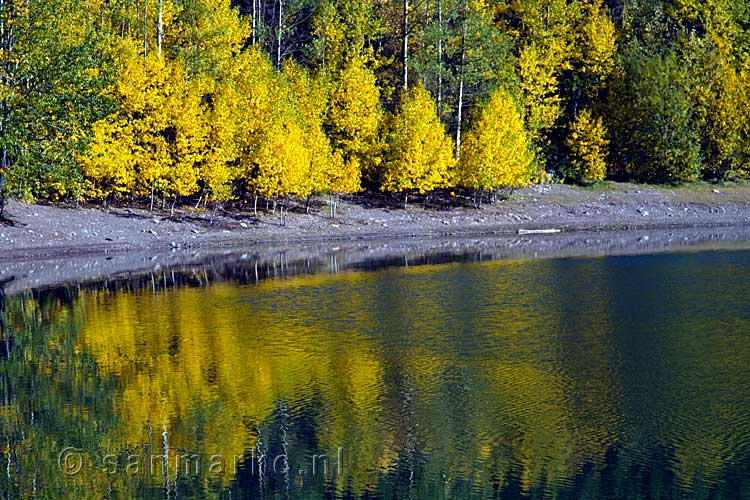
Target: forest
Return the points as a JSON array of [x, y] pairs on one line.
[[212, 100]]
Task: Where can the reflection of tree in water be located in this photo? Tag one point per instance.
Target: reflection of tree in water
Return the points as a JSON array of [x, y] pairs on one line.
[[7, 340], [419, 410]]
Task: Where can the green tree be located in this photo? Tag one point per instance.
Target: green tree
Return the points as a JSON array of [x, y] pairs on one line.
[[343, 31], [654, 132], [51, 77]]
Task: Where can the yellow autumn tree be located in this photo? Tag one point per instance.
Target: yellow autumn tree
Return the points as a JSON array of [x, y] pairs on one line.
[[588, 144], [221, 152], [245, 103], [109, 164], [497, 152], [539, 80], [175, 131], [420, 155], [722, 93], [731, 129], [353, 125], [128, 153], [546, 45], [310, 97], [186, 134], [158, 134], [217, 60], [281, 159], [597, 45], [288, 154]]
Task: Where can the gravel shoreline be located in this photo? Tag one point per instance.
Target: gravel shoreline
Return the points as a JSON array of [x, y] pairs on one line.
[[43, 232], [286, 260]]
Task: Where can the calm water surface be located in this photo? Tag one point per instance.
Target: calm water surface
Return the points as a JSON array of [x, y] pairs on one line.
[[573, 379]]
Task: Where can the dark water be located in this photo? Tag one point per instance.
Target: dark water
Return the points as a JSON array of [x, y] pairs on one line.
[[569, 379]]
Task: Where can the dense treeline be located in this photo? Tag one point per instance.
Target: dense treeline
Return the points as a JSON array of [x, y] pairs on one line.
[[289, 98]]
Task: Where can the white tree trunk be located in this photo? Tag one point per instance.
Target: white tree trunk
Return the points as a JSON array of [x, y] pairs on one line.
[[145, 29], [255, 21], [160, 28], [440, 58], [406, 45], [278, 34], [459, 118]]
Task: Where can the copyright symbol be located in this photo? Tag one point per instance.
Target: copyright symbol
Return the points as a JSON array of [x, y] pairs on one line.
[[70, 461]]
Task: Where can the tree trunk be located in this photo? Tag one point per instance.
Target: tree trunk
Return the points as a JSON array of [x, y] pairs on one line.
[[461, 87], [406, 200], [174, 202], [145, 29], [151, 209], [478, 198], [405, 54], [278, 34], [160, 28], [255, 22], [4, 332], [440, 59], [3, 168], [255, 201]]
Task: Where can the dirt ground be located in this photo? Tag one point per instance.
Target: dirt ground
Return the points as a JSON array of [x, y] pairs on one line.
[[47, 231]]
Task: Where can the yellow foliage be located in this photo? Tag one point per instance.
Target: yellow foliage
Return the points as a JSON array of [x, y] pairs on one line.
[[497, 152], [353, 123], [539, 82], [588, 144], [281, 159], [222, 33], [110, 162], [190, 135], [157, 133], [420, 154], [599, 44], [323, 174], [176, 130], [283, 148], [221, 149]]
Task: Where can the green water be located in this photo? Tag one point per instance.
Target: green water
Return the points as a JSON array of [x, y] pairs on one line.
[[623, 377]]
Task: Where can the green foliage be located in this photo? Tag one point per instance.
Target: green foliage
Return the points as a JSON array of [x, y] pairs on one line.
[[655, 132], [199, 99], [721, 88], [51, 77]]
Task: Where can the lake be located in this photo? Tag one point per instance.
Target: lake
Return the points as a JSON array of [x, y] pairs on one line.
[[445, 377]]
